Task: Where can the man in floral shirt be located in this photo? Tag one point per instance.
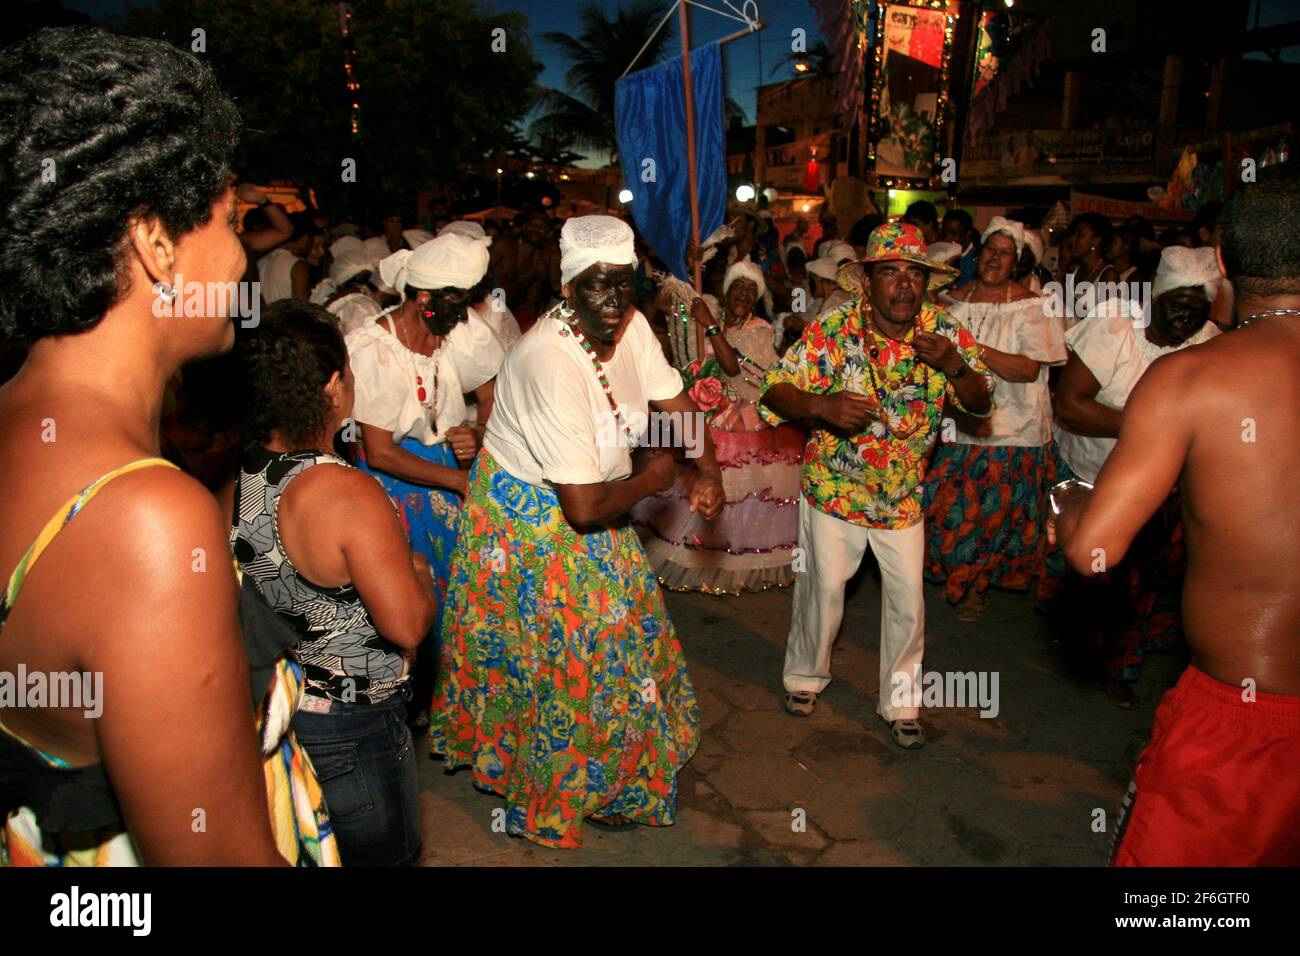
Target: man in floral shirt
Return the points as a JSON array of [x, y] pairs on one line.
[[872, 375]]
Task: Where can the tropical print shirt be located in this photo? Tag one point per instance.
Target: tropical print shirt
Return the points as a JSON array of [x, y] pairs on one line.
[[873, 478]]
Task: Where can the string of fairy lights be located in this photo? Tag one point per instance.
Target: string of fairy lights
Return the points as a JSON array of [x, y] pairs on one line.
[[350, 67]]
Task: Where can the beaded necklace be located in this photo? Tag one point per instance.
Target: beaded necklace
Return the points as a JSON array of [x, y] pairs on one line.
[[428, 401], [571, 328], [878, 389]]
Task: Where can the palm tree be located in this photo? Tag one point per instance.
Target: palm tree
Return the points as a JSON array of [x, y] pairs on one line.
[[597, 57]]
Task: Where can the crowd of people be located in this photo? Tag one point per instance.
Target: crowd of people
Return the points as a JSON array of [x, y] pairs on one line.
[[429, 462]]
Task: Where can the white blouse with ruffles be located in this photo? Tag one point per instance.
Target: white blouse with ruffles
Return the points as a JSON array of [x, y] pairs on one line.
[[386, 370], [1022, 411]]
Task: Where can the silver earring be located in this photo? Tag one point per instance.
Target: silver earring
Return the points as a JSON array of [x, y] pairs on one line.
[[566, 313], [164, 291]]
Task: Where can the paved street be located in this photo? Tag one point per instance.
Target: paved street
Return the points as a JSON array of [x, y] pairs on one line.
[[1018, 789]]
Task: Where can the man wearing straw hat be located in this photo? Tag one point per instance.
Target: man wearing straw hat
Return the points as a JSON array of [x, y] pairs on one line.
[[872, 375]]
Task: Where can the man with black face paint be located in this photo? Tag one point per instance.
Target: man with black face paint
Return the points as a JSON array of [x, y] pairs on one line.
[[1108, 355], [413, 367], [565, 687], [873, 376]]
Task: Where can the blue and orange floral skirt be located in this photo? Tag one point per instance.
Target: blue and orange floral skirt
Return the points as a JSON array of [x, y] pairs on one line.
[[430, 516], [567, 691], [985, 517]]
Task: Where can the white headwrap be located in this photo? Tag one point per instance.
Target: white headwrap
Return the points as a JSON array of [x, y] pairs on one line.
[[450, 260], [1015, 231], [943, 252], [839, 251], [415, 238], [744, 270], [377, 248], [1180, 266], [586, 240], [1034, 241], [350, 257], [470, 230], [824, 268]]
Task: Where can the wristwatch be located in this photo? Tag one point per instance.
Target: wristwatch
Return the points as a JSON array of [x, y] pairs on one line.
[[959, 373], [711, 331]]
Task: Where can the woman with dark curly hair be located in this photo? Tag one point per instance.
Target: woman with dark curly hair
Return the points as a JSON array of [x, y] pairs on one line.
[[115, 184], [322, 544]]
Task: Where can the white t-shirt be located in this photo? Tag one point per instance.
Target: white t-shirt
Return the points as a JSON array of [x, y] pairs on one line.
[[1117, 353], [274, 272], [552, 422], [354, 310], [385, 372], [1022, 411]]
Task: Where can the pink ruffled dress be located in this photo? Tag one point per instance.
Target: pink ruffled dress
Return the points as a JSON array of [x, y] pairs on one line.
[[750, 545]]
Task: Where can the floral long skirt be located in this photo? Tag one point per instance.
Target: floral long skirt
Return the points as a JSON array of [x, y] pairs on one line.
[[430, 516], [567, 691], [985, 517]]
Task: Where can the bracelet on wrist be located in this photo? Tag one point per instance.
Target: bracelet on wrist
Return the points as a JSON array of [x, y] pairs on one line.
[[712, 330], [961, 370], [264, 203]]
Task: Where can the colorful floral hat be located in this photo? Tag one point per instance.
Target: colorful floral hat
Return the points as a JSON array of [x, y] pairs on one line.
[[901, 241]]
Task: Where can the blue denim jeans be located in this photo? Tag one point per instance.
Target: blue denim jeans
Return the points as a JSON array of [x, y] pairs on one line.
[[365, 762]]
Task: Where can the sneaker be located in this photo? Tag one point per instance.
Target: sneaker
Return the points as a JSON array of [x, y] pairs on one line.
[[800, 703], [908, 733]]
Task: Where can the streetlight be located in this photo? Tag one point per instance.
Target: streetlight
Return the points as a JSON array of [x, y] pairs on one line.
[[625, 196], [744, 192]]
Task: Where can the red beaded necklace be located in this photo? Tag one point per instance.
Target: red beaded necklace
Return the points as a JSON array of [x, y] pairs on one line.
[[428, 401], [567, 328]]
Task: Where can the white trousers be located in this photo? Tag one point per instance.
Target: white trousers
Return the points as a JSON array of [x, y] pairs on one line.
[[833, 549]]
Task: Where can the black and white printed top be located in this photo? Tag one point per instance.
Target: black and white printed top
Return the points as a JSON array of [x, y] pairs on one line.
[[344, 657]]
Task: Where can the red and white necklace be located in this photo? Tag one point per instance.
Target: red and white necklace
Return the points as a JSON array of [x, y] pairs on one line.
[[567, 328], [428, 400]]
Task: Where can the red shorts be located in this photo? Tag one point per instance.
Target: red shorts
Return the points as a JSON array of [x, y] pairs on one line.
[[1219, 783]]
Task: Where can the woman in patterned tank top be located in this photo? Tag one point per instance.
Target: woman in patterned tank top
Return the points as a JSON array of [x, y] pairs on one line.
[[323, 545]]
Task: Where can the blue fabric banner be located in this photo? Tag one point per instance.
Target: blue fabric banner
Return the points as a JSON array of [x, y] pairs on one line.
[[650, 114]]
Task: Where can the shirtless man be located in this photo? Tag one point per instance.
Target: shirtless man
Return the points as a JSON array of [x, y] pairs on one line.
[[1219, 785]]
